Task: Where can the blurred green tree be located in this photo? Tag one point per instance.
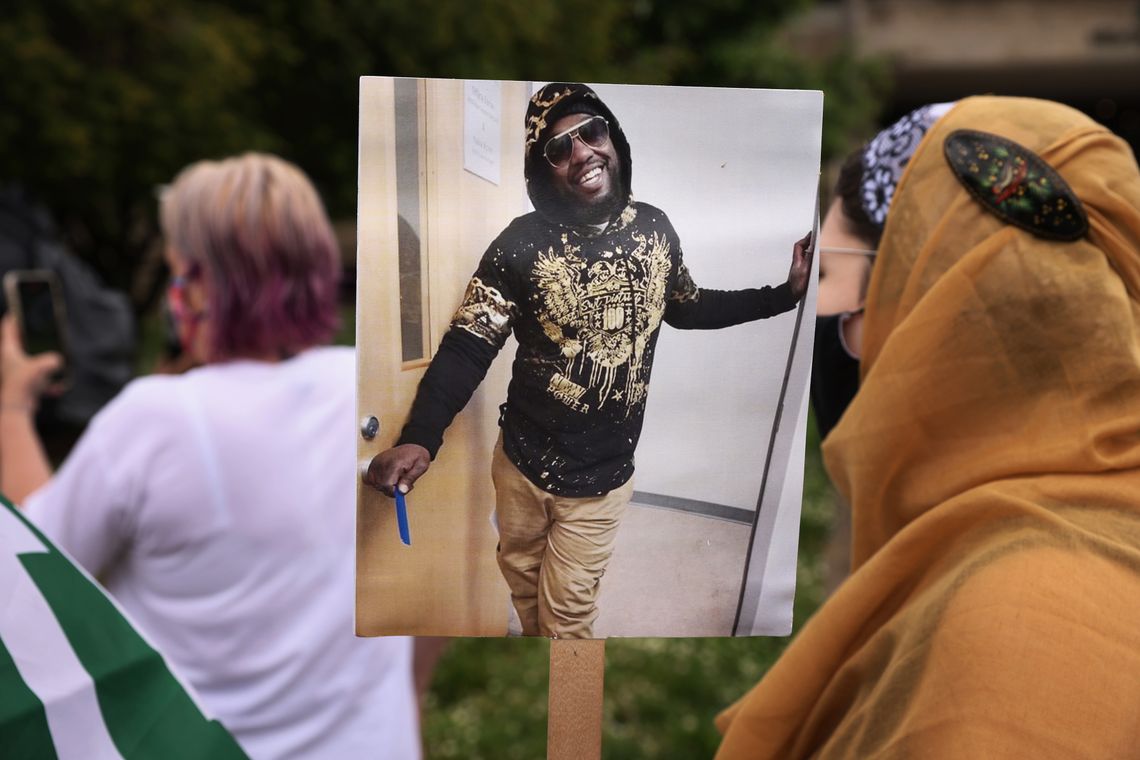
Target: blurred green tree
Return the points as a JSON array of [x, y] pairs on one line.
[[104, 100]]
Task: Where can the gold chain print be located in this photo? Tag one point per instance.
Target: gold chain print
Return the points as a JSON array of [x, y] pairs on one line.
[[485, 313]]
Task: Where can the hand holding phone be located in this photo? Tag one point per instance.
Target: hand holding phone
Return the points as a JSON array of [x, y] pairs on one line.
[[33, 344]]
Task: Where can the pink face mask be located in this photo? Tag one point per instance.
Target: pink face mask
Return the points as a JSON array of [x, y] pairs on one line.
[[186, 322]]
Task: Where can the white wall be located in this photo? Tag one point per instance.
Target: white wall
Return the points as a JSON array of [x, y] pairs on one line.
[[736, 171]]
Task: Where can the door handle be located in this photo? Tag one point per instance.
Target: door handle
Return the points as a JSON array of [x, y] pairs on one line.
[[369, 427]]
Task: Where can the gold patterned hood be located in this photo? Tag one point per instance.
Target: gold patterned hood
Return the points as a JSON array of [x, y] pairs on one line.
[[547, 106]]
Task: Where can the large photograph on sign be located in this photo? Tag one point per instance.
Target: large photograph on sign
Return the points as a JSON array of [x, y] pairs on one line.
[[584, 338]]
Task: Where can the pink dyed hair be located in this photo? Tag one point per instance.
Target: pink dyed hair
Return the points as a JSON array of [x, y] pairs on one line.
[[254, 228]]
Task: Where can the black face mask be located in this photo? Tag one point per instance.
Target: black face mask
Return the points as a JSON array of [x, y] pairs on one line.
[[834, 374]]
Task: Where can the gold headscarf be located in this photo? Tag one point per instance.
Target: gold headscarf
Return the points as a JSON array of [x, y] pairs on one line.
[[992, 461]]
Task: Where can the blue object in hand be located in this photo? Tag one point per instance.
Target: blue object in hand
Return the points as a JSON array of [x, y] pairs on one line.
[[402, 517]]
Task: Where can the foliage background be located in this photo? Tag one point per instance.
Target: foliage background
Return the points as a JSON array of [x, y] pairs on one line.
[[105, 100]]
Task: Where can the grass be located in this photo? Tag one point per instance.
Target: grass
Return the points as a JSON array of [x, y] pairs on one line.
[[488, 698]]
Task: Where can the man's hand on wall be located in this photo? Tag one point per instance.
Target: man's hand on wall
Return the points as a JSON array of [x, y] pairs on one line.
[[800, 271], [400, 466]]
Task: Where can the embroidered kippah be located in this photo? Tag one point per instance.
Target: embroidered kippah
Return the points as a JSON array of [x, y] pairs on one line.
[[885, 158], [1015, 184]]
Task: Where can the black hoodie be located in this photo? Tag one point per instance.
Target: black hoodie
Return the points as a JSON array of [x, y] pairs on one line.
[[586, 305]]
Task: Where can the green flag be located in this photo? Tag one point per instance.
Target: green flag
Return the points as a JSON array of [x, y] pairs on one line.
[[76, 679]]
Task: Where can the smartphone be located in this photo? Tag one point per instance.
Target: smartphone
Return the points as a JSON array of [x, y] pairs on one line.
[[36, 301]]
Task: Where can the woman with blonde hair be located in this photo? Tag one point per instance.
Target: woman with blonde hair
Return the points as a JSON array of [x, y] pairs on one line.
[[218, 505]]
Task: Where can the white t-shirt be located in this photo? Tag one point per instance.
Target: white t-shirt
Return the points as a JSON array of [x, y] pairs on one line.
[[218, 507]]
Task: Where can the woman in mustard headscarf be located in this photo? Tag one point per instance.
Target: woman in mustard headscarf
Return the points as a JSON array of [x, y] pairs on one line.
[[991, 457]]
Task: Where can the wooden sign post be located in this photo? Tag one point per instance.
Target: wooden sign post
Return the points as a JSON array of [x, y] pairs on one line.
[[574, 723]]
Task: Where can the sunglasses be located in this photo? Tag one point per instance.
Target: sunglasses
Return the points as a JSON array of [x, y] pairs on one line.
[[594, 132]]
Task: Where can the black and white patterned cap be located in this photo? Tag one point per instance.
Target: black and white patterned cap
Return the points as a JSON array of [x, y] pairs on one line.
[[887, 155]]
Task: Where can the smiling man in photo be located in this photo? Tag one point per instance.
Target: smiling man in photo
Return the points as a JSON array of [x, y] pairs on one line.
[[583, 282]]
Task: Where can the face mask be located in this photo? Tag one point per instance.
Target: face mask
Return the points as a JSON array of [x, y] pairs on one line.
[[834, 373], [184, 321]]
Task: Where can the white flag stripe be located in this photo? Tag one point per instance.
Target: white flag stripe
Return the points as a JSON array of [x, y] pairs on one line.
[[44, 657]]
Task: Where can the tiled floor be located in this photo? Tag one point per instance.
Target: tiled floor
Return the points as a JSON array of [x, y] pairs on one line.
[[672, 574]]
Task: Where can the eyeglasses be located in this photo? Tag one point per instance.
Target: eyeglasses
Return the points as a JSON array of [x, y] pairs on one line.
[[869, 253], [594, 132]]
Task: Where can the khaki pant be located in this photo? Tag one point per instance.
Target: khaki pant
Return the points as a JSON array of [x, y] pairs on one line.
[[553, 550]]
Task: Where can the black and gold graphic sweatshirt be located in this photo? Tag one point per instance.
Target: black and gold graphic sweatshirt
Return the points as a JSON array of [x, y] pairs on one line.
[[586, 307]]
